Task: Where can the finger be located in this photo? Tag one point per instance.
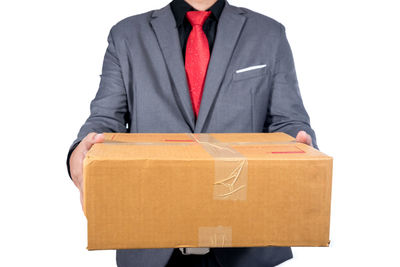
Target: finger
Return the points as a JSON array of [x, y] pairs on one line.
[[76, 170], [303, 137], [300, 137], [76, 163], [98, 138], [76, 183], [91, 139]]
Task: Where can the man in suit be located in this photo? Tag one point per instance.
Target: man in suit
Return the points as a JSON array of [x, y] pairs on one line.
[[198, 66]]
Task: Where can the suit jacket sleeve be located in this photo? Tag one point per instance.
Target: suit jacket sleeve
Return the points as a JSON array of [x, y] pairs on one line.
[[109, 109], [286, 112]]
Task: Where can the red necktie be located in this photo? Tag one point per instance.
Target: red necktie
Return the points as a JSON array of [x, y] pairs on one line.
[[197, 57]]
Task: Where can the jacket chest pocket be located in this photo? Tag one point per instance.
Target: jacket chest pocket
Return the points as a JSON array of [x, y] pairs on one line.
[[249, 72], [237, 107]]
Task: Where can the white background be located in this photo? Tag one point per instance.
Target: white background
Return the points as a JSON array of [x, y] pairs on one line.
[[347, 60]]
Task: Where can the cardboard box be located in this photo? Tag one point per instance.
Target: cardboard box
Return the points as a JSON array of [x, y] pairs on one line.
[[163, 190]]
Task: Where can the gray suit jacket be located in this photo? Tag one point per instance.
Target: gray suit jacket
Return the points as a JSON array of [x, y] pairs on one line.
[[251, 86]]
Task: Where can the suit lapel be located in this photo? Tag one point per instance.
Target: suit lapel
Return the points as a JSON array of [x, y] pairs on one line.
[[229, 27], [164, 25]]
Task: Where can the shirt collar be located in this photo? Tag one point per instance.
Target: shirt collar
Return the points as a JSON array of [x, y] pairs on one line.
[[180, 7]]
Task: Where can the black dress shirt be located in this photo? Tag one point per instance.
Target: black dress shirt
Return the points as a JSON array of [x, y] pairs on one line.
[[179, 9]]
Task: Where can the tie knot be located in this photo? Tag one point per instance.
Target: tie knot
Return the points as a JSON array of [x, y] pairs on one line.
[[197, 17]]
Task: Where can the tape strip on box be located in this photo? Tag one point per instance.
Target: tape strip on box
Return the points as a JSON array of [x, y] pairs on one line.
[[231, 168], [220, 236]]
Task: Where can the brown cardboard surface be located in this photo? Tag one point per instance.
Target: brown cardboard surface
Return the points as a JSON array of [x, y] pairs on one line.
[[159, 190]]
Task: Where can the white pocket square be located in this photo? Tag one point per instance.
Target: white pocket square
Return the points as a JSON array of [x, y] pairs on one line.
[[251, 68]]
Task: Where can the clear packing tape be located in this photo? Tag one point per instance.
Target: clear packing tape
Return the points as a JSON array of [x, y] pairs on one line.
[[230, 168]]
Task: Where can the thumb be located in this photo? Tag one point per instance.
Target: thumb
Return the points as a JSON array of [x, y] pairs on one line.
[[98, 138], [92, 138], [303, 137]]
